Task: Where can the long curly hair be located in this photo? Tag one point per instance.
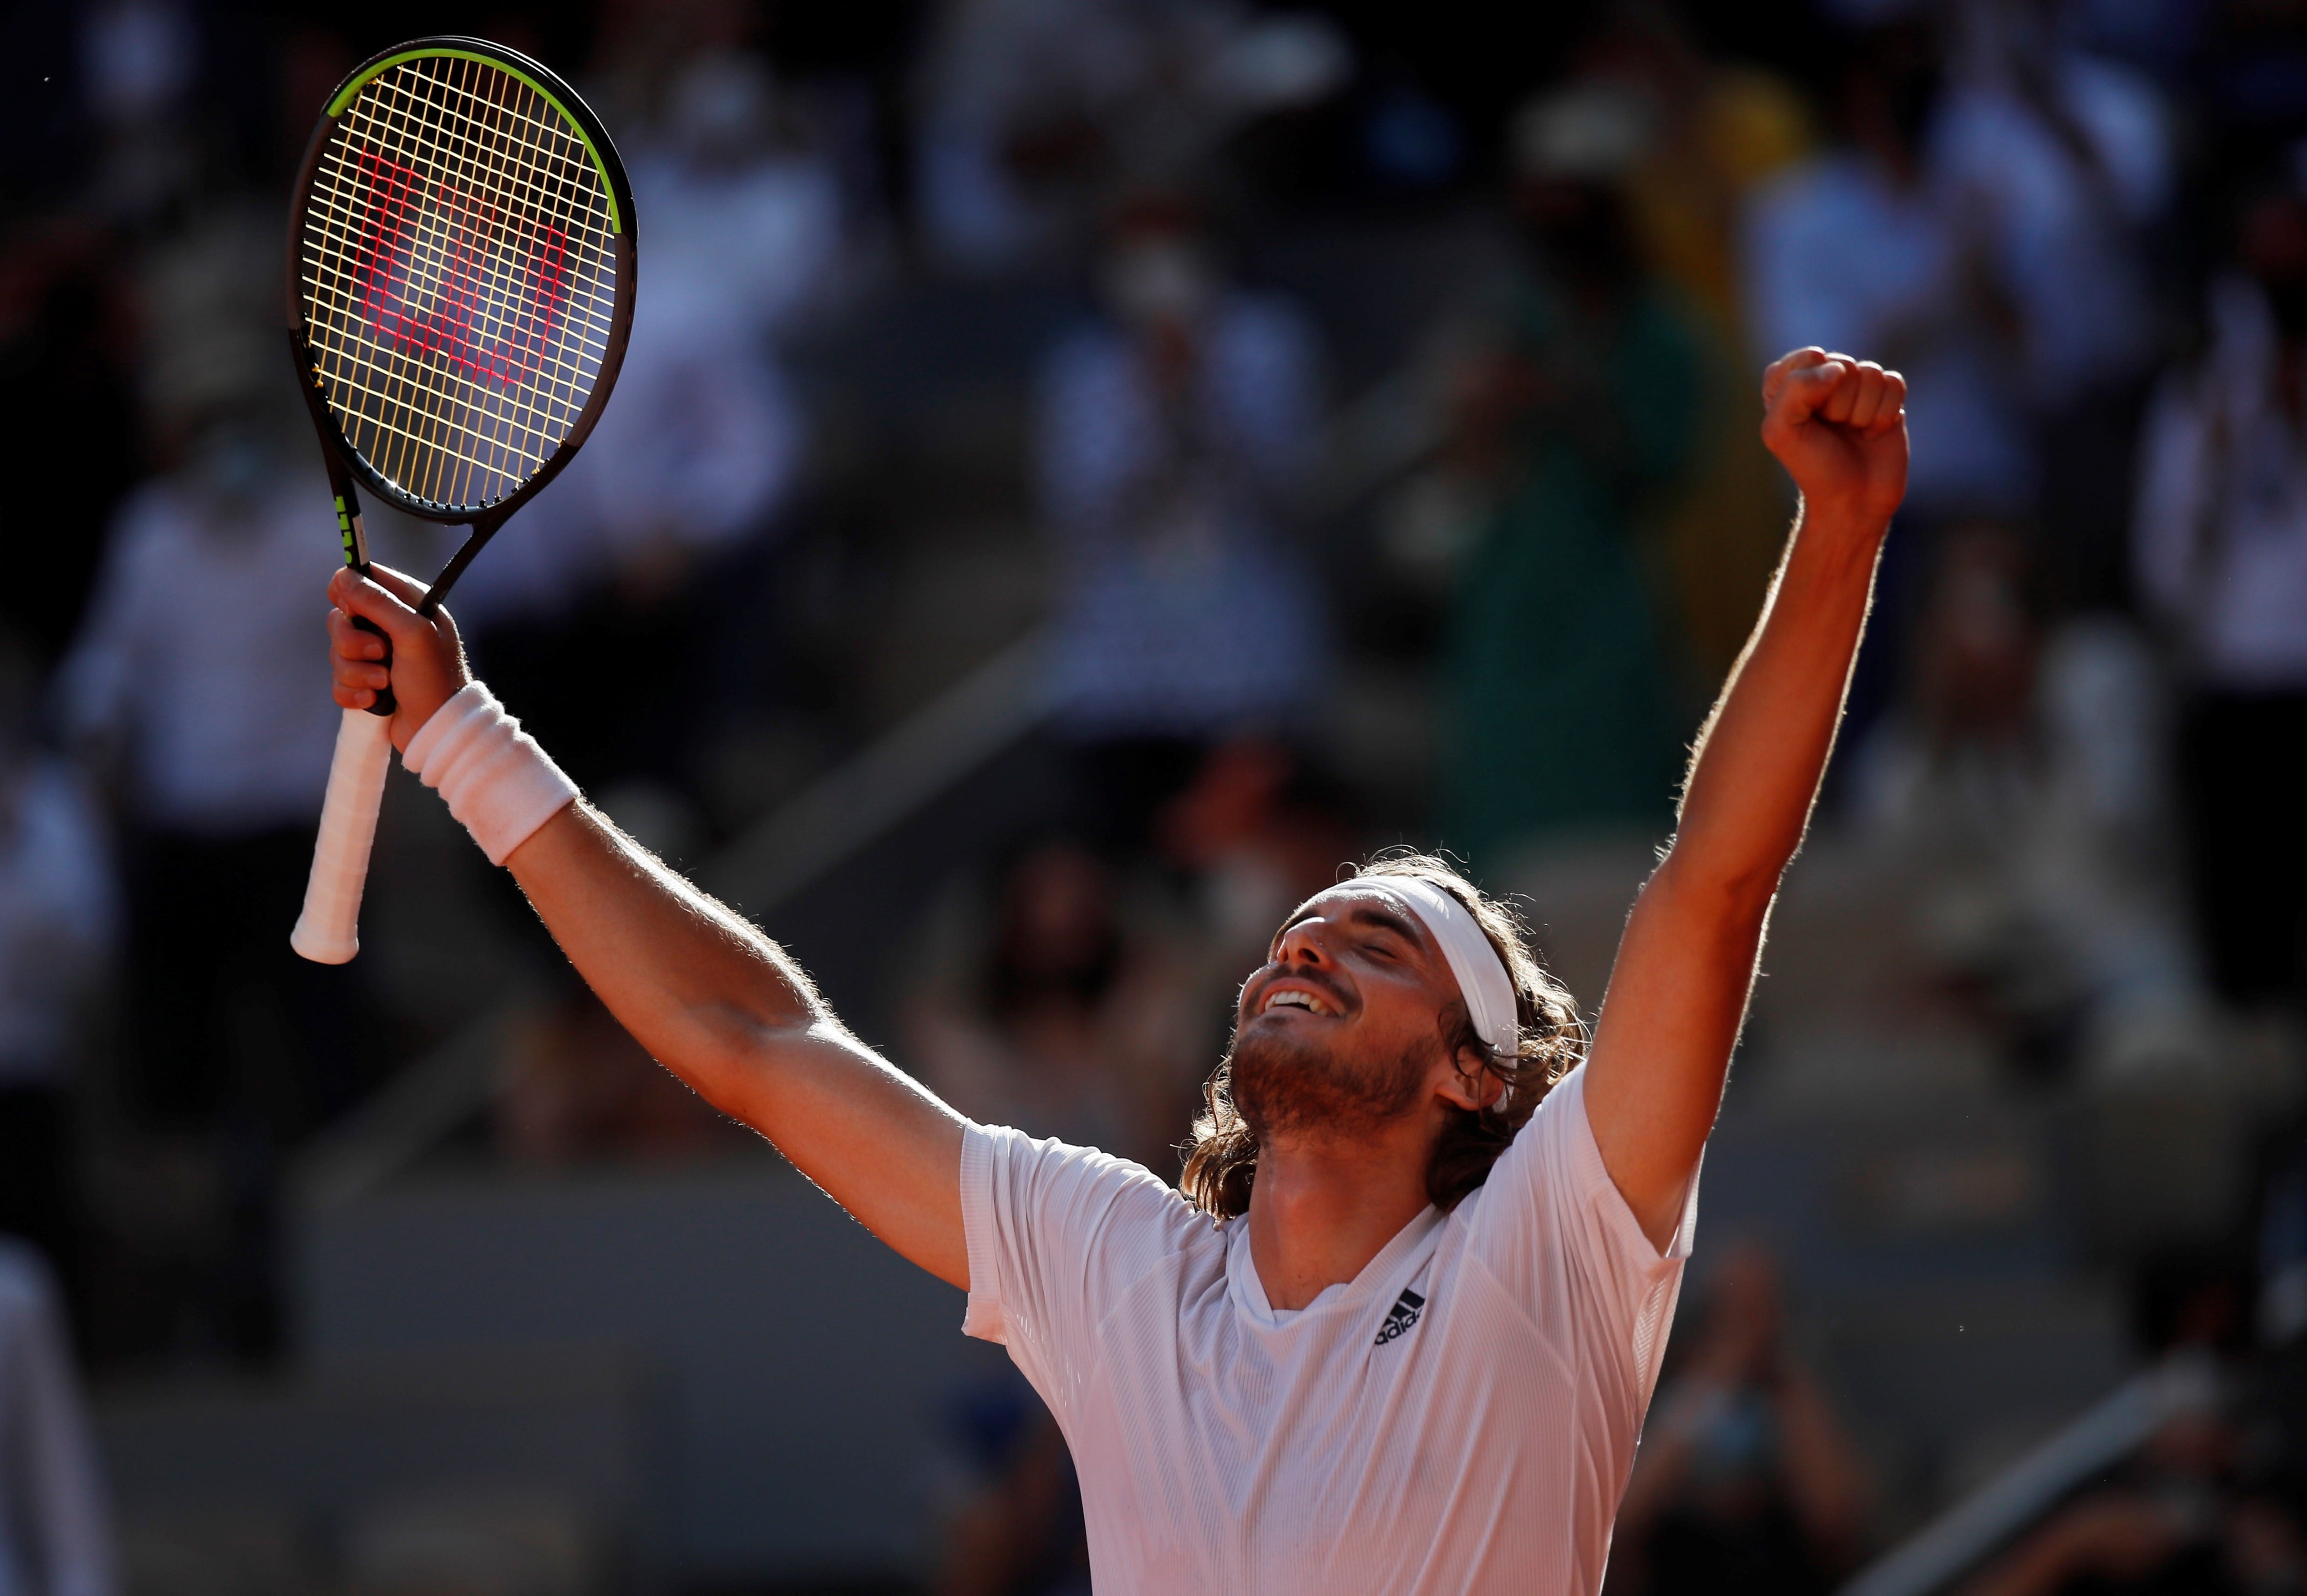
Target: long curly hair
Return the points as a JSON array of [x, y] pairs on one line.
[[1221, 1158]]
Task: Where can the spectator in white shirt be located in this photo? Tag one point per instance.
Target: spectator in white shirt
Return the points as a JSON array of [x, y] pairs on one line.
[[207, 581], [2065, 165], [1860, 249], [2220, 546], [1169, 436], [2066, 158], [704, 435], [633, 555], [210, 570]]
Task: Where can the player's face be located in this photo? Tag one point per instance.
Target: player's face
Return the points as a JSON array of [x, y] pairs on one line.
[[1343, 1023]]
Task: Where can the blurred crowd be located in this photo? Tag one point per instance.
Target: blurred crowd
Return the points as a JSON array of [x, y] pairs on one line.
[[1367, 362]]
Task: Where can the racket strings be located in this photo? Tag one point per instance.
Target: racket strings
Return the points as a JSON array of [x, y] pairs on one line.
[[458, 278], [475, 339], [439, 245], [425, 428], [544, 182]]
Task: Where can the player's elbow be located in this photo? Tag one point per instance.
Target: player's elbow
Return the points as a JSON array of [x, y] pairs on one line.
[[1730, 896], [720, 1050]]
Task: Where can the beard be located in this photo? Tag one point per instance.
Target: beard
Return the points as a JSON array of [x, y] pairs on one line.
[[1290, 1085]]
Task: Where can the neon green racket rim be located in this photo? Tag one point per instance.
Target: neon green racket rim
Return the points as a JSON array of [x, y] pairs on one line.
[[352, 91]]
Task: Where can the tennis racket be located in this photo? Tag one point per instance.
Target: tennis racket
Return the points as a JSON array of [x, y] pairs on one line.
[[460, 285]]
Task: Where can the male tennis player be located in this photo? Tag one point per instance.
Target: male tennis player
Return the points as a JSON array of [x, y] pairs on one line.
[[1413, 1352]]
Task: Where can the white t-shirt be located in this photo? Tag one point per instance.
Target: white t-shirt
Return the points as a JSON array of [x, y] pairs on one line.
[[1460, 1418], [226, 606]]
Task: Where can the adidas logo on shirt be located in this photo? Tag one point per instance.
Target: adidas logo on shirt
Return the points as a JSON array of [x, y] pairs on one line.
[[1400, 1316]]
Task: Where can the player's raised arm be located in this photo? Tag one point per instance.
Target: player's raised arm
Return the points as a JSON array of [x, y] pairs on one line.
[[710, 996], [1687, 963]]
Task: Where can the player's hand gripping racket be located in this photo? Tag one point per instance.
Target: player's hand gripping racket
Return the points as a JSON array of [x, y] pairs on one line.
[[460, 282]]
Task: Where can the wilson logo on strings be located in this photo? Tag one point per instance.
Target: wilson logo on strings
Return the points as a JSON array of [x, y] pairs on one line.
[[441, 277]]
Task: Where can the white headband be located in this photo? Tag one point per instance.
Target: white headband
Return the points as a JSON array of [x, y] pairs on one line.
[[1482, 979]]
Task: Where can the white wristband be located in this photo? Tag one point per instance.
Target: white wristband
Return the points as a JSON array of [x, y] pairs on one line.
[[496, 779]]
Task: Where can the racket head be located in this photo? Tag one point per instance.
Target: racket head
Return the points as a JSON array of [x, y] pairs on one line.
[[461, 270]]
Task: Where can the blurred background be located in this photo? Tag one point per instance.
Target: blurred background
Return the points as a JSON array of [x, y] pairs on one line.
[[1084, 469]]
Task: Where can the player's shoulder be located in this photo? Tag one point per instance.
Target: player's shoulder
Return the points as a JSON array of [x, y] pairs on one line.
[[1563, 1104], [1550, 1145], [1048, 1172], [1115, 1220]]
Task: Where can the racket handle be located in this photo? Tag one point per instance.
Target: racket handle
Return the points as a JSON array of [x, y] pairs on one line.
[[329, 930], [385, 704]]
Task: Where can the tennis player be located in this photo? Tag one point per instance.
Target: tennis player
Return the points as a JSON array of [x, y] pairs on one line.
[[1397, 1331]]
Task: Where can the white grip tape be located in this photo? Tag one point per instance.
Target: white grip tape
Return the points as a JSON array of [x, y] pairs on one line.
[[329, 930]]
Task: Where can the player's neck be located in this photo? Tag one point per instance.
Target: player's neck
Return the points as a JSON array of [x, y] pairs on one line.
[[1320, 1209]]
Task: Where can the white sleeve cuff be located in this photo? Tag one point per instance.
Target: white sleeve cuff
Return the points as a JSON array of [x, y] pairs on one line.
[[498, 781], [984, 1160]]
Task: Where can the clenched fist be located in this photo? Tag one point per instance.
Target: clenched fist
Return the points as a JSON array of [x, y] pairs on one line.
[[1839, 426], [425, 665]]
